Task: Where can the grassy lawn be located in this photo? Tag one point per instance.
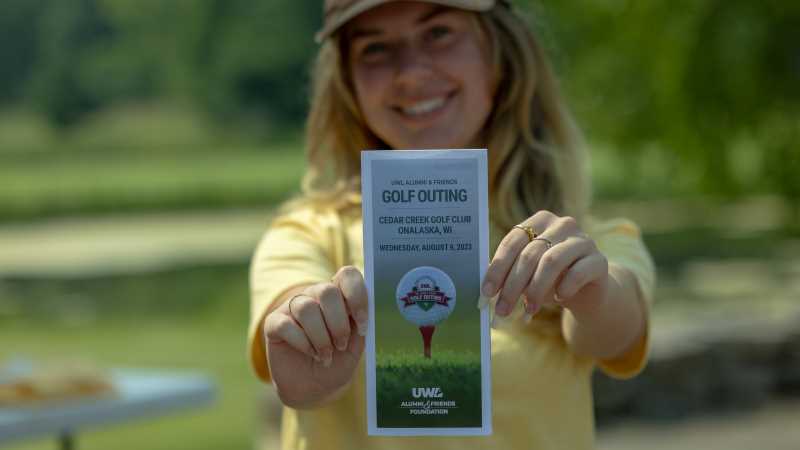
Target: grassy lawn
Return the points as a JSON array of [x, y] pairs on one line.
[[41, 185], [209, 338], [119, 167], [217, 350], [140, 158]]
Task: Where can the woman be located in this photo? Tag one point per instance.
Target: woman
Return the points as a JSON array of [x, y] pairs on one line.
[[448, 74]]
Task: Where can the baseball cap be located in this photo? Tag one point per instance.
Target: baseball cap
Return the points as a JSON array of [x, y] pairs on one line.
[[339, 12]]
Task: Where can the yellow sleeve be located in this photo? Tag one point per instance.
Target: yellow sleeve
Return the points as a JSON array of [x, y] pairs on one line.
[[621, 242], [291, 253]]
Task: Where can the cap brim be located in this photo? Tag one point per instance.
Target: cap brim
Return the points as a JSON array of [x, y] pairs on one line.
[[360, 7]]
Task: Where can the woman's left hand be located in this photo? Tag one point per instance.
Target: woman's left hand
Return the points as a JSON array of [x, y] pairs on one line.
[[561, 265]]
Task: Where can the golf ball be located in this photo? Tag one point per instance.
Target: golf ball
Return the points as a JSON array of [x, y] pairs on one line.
[[425, 296]]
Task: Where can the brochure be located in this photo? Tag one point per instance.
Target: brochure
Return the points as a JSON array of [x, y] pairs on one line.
[[425, 253]]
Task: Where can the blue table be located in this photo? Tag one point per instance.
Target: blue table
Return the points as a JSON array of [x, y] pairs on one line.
[[140, 394]]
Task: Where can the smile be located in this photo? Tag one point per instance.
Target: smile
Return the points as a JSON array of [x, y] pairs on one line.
[[424, 107]]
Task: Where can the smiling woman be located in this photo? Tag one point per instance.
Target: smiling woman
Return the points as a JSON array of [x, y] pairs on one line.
[[433, 76], [422, 75], [574, 292]]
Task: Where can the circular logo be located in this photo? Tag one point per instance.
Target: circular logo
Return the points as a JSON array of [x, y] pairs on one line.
[[425, 296]]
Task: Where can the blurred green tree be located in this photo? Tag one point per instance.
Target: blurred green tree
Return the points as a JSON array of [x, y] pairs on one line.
[[706, 90], [713, 85], [229, 57], [19, 36], [69, 34], [254, 57]]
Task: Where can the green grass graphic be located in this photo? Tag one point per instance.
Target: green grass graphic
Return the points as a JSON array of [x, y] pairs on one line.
[[458, 374]]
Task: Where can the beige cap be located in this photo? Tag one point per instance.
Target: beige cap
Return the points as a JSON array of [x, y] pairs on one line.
[[338, 12]]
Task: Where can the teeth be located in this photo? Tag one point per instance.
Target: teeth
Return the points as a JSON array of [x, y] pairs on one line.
[[424, 107]]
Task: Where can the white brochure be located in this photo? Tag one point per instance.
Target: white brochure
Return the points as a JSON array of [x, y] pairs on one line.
[[426, 249]]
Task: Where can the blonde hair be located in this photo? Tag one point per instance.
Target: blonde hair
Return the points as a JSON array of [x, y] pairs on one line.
[[536, 158]]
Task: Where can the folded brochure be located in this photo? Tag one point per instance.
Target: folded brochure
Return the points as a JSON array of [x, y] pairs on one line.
[[425, 253]]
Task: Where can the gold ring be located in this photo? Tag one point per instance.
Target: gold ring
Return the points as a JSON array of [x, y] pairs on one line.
[[546, 241], [290, 305], [529, 231]]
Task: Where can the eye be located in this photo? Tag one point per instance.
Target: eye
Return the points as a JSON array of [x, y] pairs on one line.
[[374, 48], [439, 32]]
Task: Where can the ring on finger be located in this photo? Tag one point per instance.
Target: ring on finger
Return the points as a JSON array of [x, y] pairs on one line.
[[290, 304], [529, 231], [546, 241]]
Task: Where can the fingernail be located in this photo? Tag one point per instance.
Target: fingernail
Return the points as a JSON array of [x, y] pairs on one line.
[[527, 318], [501, 309], [362, 318], [488, 288], [498, 322], [362, 328], [483, 302], [341, 344], [327, 359]]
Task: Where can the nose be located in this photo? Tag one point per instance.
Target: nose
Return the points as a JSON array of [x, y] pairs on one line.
[[413, 69]]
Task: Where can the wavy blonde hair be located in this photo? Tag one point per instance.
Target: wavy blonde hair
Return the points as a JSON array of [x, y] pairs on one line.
[[536, 157]]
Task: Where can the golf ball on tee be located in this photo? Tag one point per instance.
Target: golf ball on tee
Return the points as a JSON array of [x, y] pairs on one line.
[[425, 296]]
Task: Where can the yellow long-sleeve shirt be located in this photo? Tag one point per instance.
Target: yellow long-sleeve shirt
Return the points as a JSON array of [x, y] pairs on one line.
[[541, 392]]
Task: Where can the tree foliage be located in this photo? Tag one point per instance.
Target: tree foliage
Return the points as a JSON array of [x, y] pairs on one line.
[[712, 85], [229, 57], [708, 88]]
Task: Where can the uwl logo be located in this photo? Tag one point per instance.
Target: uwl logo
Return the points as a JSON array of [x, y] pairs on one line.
[[433, 392]]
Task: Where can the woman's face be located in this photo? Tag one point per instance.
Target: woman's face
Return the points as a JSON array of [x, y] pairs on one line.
[[422, 75]]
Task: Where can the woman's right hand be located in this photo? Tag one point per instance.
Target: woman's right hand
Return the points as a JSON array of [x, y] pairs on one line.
[[316, 338]]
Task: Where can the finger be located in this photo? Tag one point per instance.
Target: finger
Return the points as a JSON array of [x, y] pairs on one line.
[[552, 264], [280, 327], [583, 272], [563, 227], [558, 230], [352, 286], [306, 311], [334, 313], [503, 259], [507, 252], [519, 276], [356, 344]]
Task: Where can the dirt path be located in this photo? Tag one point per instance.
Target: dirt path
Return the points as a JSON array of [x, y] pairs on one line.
[[89, 247]]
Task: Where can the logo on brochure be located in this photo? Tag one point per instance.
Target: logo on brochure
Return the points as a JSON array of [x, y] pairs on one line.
[[427, 392], [424, 406], [426, 296]]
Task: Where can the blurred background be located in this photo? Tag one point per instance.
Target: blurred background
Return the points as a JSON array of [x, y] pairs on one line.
[[144, 145]]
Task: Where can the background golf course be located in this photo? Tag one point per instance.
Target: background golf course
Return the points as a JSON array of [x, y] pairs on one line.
[[145, 144]]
